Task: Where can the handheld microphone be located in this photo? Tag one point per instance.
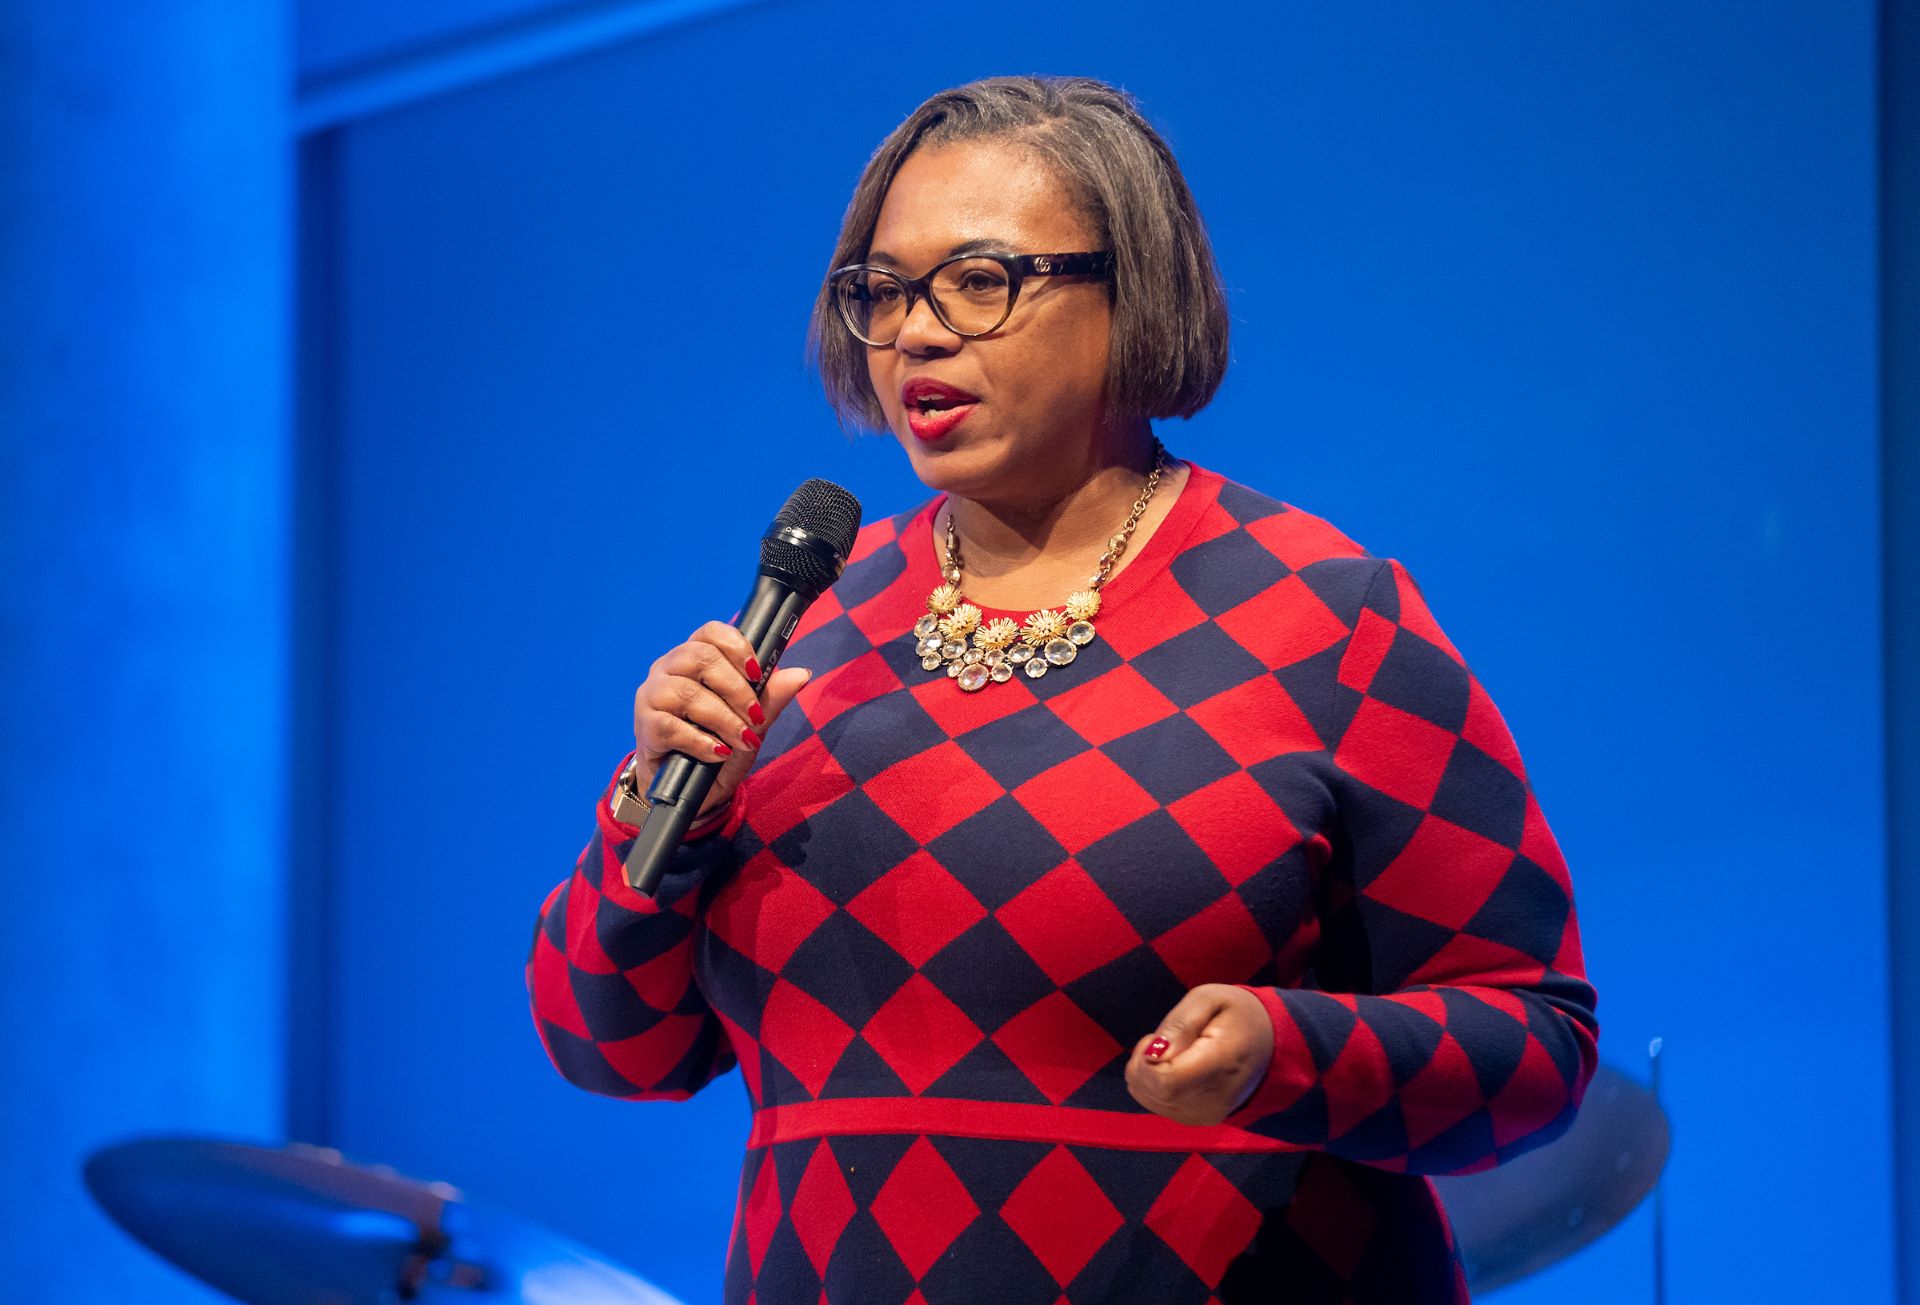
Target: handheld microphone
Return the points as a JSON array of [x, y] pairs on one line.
[[802, 553]]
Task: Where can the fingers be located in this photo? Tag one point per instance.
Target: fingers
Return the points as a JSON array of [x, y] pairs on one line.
[[1182, 1025], [719, 657], [695, 722], [703, 682], [781, 688], [734, 644], [1203, 1061], [1194, 1089], [700, 699]]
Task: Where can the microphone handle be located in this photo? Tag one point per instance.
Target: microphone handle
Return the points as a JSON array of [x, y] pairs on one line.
[[767, 619]]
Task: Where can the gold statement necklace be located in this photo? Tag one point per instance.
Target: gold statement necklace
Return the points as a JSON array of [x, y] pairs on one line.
[[975, 653]]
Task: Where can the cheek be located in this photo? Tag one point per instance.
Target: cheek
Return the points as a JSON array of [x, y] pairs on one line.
[[1081, 341], [880, 377], [1096, 346], [1075, 370]]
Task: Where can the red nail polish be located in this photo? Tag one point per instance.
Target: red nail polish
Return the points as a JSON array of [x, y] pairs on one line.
[[753, 669], [749, 738], [723, 749], [1157, 1048], [755, 715]]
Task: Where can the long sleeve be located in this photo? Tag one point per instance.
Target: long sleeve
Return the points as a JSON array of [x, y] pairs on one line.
[[611, 975], [1449, 1024]]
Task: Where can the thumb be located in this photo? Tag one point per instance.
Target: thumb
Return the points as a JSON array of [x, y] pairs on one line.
[[1181, 1026], [781, 687]]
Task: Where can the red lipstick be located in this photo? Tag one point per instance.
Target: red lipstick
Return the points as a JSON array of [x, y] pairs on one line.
[[934, 408]]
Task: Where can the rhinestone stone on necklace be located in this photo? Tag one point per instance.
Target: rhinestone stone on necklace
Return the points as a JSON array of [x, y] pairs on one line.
[[952, 636]]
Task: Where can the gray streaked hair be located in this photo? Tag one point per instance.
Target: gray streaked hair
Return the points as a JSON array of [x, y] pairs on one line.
[[1167, 350]]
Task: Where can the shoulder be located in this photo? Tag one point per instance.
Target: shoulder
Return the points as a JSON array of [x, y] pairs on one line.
[[1374, 599], [1294, 536], [1252, 535]]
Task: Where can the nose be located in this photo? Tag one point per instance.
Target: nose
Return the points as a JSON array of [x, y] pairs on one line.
[[923, 333]]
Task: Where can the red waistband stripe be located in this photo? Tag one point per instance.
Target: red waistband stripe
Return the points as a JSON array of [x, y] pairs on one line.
[[943, 1117]]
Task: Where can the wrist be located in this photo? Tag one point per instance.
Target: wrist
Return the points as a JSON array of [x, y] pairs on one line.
[[712, 818], [1289, 1070], [628, 805]]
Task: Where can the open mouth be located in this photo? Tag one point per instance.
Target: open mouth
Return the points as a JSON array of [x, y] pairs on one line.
[[934, 408]]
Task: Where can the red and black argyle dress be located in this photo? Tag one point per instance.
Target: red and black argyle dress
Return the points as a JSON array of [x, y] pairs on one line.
[[936, 923]]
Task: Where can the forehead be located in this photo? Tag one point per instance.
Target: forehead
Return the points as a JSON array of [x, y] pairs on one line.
[[951, 195]]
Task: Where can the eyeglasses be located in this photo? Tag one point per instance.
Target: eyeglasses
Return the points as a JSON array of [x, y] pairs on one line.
[[971, 294]]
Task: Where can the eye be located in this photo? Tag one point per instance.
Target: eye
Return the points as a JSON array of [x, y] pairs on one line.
[[976, 281]]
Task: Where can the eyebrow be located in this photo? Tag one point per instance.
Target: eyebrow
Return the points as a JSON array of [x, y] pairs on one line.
[[965, 247]]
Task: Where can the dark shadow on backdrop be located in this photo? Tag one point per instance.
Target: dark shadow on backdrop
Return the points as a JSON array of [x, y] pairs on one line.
[[1900, 526]]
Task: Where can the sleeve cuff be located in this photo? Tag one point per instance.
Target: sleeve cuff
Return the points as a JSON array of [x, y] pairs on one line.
[[619, 831], [1290, 1072]]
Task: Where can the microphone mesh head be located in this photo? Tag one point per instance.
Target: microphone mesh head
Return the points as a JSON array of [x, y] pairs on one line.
[[830, 518], [821, 507]]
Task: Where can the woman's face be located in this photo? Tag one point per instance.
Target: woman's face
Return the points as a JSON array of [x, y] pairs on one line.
[[1024, 404]]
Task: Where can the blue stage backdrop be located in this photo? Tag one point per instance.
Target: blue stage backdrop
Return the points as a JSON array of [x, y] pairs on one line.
[[144, 376], [1570, 308]]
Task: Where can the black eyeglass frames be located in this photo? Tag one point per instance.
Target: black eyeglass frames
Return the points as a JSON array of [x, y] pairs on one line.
[[971, 294]]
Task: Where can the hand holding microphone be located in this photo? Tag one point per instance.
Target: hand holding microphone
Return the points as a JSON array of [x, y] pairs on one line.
[[694, 717], [699, 700]]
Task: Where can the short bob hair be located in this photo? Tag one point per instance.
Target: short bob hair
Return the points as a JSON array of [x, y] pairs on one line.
[[1167, 350]]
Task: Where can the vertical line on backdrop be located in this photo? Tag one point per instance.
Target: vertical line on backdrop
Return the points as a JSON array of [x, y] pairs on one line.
[[315, 666], [1899, 159]]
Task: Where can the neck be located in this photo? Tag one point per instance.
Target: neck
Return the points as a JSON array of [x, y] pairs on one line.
[[1067, 519], [1017, 555]]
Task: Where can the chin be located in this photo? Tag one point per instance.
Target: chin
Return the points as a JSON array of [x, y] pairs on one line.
[[936, 468], [951, 467], [984, 472]]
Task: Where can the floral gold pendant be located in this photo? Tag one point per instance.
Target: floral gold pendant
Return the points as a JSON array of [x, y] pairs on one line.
[[956, 637], [974, 653]]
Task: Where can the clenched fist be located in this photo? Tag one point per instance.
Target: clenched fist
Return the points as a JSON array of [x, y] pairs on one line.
[[1206, 1058]]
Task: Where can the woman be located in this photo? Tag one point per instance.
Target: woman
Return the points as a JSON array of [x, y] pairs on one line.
[[1135, 893]]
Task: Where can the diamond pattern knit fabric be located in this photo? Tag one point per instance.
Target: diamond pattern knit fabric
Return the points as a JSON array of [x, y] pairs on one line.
[[936, 922]]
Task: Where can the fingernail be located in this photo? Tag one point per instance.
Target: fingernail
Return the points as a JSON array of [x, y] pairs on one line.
[[749, 738], [1157, 1048], [723, 749], [753, 669], [755, 715]]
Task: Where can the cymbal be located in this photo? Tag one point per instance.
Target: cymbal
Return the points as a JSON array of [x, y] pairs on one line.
[[1543, 1206], [298, 1225]]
